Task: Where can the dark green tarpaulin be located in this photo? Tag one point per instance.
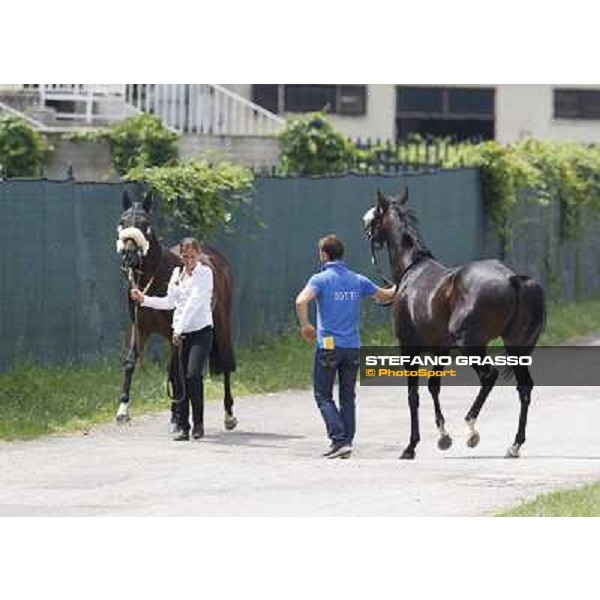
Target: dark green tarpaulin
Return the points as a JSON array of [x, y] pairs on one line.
[[62, 294]]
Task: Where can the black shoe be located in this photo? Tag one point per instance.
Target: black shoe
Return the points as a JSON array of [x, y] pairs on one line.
[[181, 436], [198, 432]]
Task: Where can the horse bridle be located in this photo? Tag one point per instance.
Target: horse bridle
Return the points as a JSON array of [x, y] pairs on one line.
[[379, 245]]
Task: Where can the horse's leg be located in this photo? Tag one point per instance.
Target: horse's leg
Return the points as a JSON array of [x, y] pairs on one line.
[[434, 385], [413, 403], [230, 420], [128, 369], [524, 387], [487, 378]]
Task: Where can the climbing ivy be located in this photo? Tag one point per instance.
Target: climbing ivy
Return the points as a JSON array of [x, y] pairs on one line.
[[201, 197], [566, 171]]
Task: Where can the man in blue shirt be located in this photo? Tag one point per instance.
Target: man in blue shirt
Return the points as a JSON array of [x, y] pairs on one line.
[[338, 292]]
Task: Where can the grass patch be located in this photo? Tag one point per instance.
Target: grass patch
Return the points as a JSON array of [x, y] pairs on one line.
[[569, 321], [37, 400], [582, 502]]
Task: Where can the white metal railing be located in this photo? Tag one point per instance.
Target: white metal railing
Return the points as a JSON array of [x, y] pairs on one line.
[[202, 108], [91, 102], [5, 108]]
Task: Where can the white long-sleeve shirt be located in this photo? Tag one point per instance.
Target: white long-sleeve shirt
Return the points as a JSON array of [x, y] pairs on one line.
[[190, 296]]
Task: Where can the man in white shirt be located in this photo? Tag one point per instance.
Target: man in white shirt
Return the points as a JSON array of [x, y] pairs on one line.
[[190, 294]]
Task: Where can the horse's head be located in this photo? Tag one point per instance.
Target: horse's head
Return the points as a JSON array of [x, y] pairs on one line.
[[393, 223], [134, 232], [388, 215]]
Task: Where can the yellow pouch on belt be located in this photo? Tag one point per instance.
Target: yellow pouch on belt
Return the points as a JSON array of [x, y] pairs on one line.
[[329, 342]]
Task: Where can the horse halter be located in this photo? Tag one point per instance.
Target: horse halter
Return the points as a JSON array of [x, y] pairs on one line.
[[132, 258], [368, 220]]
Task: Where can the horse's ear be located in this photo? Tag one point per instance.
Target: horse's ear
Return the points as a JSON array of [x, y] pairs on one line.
[[126, 200], [148, 202], [404, 197], [382, 202]]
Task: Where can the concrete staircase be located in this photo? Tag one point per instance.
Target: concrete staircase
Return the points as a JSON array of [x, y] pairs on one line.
[[202, 109]]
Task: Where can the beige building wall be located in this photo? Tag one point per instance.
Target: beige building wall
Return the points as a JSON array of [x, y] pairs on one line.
[[378, 122], [528, 111]]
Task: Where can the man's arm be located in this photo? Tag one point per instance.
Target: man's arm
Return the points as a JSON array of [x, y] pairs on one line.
[[302, 301]]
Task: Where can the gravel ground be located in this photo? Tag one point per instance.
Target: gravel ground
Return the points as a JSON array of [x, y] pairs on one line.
[[271, 465]]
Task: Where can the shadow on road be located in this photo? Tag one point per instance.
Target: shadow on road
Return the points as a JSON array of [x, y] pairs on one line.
[[524, 457], [255, 439]]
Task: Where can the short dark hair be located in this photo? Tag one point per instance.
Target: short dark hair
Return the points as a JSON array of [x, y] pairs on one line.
[[189, 241], [332, 246]]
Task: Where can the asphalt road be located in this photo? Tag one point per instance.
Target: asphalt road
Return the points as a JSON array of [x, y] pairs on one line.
[[271, 465]]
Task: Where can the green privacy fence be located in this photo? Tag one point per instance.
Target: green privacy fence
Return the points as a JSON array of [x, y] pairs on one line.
[[62, 294], [60, 289], [272, 265]]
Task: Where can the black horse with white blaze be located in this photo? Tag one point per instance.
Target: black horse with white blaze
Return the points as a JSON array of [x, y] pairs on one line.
[[438, 308]]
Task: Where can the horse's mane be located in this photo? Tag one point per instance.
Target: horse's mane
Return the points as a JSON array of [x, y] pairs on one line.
[[410, 219]]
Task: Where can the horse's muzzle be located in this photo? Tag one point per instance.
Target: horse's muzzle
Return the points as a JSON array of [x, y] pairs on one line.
[[131, 258]]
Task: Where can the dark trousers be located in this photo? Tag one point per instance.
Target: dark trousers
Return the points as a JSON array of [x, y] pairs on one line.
[[340, 423], [193, 354]]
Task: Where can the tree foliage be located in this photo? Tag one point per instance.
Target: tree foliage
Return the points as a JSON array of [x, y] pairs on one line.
[[311, 146], [23, 150]]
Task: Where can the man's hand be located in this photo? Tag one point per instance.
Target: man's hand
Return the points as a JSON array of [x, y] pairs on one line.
[[306, 329], [386, 294], [136, 295], [308, 333], [176, 340]]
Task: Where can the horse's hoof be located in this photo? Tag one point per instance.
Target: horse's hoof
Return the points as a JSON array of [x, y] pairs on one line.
[[230, 422], [444, 442], [513, 451], [123, 413], [473, 439], [407, 454]]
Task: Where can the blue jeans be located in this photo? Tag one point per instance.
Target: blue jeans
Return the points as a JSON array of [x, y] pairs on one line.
[[340, 424]]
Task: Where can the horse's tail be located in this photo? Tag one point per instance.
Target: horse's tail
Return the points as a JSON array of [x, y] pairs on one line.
[[529, 318], [222, 355]]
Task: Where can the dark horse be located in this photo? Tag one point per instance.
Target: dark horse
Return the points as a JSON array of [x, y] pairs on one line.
[[149, 266], [439, 308]]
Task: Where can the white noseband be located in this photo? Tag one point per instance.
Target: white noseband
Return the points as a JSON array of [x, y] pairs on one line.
[[368, 217], [133, 233]]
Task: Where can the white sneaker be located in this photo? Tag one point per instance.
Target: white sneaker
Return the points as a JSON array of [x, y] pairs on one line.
[[341, 452]]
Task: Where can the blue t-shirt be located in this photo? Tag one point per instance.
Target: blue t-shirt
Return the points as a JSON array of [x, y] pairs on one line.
[[339, 292]]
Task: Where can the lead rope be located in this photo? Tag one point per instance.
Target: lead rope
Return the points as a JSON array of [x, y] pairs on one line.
[[385, 280], [136, 328]]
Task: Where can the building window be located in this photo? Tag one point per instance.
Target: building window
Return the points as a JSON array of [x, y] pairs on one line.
[[334, 99], [469, 101], [308, 98], [576, 104], [435, 111], [352, 99], [420, 99], [266, 96]]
